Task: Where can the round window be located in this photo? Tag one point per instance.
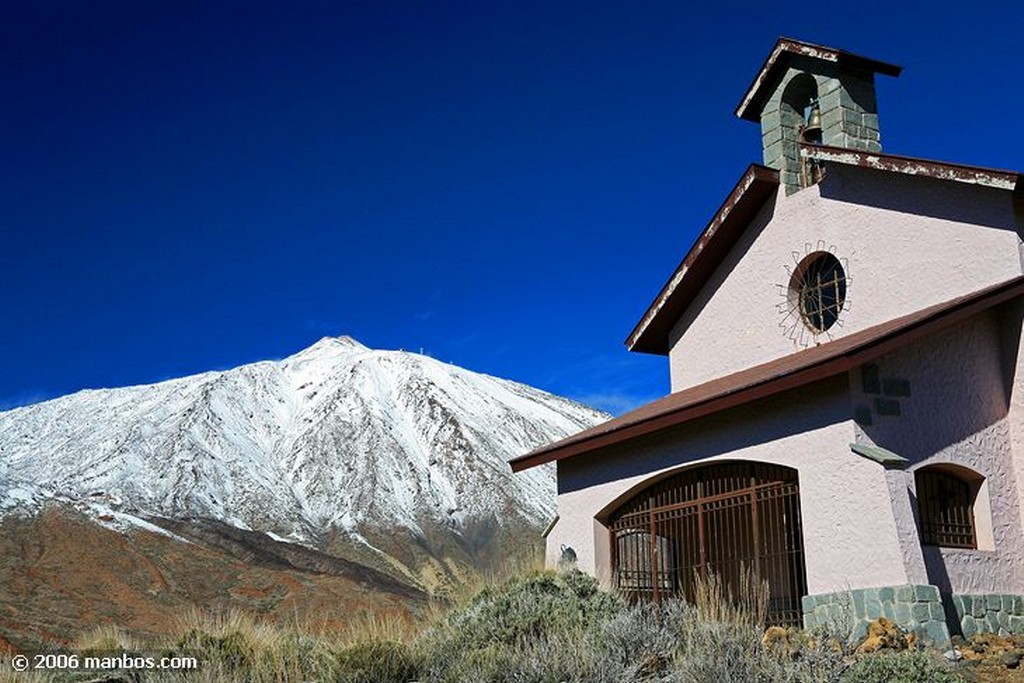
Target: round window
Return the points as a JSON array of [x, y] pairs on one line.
[[819, 286]]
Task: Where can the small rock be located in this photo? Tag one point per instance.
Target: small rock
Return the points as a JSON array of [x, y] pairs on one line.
[[775, 636], [882, 634], [952, 655], [1011, 660]]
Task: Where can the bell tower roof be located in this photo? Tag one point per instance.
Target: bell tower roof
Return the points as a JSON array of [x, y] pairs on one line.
[[775, 66], [807, 94]]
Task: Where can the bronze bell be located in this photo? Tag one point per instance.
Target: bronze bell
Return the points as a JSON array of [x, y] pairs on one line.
[[812, 131]]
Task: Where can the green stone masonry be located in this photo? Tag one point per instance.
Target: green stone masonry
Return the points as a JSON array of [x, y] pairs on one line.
[[880, 455], [989, 613], [916, 608], [846, 101]]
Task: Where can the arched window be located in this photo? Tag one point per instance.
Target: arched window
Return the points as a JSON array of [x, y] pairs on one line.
[[945, 503], [720, 518]]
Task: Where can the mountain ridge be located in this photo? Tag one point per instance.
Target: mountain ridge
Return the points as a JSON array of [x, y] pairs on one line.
[[335, 436]]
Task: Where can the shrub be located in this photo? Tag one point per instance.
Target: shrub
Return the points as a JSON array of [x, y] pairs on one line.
[[639, 643], [903, 667], [381, 661], [544, 627], [231, 650], [107, 639], [234, 647], [717, 651], [531, 606], [528, 628]]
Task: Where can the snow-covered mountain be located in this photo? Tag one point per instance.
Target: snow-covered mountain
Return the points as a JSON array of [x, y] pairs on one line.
[[338, 436]]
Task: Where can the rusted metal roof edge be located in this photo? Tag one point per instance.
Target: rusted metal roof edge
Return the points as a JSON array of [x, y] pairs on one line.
[[743, 109], [646, 336], [850, 352], [753, 100], [974, 175], [755, 185]]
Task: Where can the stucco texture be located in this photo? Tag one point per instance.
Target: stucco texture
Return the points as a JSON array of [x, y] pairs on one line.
[[906, 242], [957, 414], [849, 528], [954, 399]]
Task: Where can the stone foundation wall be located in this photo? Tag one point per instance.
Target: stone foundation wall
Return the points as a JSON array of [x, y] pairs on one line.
[[916, 608], [989, 613]]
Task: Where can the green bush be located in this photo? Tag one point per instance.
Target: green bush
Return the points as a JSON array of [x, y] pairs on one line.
[[526, 629], [531, 606], [904, 667], [639, 643], [254, 653], [560, 628], [379, 661], [547, 627], [231, 650]]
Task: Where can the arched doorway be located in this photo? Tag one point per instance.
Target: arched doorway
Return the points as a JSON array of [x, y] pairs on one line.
[[720, 518]]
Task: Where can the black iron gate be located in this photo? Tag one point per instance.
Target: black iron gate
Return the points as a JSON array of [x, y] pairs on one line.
[[721, 518]]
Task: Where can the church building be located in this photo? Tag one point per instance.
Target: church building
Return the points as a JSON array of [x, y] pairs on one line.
[[846, 416]]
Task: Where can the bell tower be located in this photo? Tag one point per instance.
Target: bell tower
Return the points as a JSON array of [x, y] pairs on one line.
[[808, 94]]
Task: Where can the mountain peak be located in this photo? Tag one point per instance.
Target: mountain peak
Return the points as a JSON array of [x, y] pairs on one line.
[[329, 348], [317, 441], [344, 341]]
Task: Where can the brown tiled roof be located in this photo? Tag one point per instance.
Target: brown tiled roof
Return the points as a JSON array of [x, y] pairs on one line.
[[777, 62], [789, 372]]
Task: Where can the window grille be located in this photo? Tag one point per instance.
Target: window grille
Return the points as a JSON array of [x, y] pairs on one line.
[[820, 287], [946, 509], [723, 519]]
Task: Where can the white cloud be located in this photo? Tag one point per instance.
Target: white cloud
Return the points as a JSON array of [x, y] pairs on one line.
[[614, 403]]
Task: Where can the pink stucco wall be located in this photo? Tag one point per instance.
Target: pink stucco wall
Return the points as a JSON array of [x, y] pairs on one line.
[[1012, 324], [858, 518], [957, 413], [850, 530], [907, 243]]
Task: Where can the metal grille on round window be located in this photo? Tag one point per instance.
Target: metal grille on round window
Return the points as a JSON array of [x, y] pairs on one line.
[[820, 287]]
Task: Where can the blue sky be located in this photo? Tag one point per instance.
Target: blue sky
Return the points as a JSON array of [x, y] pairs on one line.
[[505, 185]]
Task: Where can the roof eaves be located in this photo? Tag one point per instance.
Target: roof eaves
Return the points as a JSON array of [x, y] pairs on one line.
[[650, 335], [748, 385], [961, 173], [757, 93]]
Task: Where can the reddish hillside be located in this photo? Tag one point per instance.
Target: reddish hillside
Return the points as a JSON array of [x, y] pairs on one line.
[[61, 574]]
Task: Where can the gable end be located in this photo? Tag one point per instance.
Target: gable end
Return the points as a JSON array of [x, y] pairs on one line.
[[651, 334]]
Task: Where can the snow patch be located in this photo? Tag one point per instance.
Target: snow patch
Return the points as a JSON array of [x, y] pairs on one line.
[[336, 436]]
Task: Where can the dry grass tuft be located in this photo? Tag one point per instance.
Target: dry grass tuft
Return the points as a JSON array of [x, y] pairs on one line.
[[106, 638], [387, 627], [714, 600]]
